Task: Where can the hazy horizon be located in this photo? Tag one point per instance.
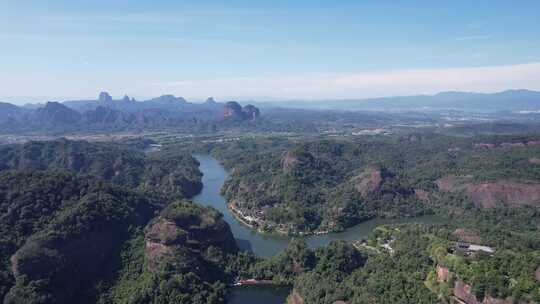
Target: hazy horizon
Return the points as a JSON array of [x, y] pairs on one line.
[[257, 99], [308, 50]]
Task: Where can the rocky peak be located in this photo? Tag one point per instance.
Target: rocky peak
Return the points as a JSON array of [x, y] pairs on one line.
[[251, 112], [232, 109], [126, 99], [210, 100], [190, 232], [105, 97], [500, 193], [369, 181]]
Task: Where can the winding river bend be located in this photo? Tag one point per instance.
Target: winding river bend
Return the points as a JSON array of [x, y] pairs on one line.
[[214, 176], [268, 245]]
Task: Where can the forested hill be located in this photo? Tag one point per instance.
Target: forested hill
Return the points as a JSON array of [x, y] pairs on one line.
[[406, 264], [172, 174], [59, 232], [328, 185], [88, 222], [66, 238], [73, 231]]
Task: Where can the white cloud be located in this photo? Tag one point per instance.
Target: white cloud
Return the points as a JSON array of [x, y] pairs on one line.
[[360, 85]]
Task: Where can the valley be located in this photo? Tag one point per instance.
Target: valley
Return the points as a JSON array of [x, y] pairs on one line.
[[315, 207], [269, 152]]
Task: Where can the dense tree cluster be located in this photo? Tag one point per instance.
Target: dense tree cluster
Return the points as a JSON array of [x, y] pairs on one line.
[[195, 268], [171, 174], [71, 212], [407, 274], [104, 223], [320, 185], [58, 232]]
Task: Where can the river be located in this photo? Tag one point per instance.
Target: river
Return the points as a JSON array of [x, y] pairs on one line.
[[263, 245], [268, 245]]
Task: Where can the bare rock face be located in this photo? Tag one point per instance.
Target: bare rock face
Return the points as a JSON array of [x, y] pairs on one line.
[[369, 181], [533, 143], [251, 112], [442, 273], [463, 292], [534, 160], [422, 195], [511, 194], [160, 239], [288, 161], [490, 300], [104, 97], [295, 298], [493, 194], [232, 109], [187, 234]]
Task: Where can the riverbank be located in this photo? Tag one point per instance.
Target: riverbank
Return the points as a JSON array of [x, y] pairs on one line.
[[262, 226], [252, 282], [270, 228], [269, 243]]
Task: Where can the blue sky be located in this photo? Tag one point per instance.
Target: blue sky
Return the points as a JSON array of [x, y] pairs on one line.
[[275, 49]]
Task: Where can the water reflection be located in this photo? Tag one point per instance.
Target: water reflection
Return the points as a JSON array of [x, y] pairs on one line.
[[259, 294]]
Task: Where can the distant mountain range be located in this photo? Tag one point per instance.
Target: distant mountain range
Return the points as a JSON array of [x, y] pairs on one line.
[[511, 100], [168, 111], [104, 113]]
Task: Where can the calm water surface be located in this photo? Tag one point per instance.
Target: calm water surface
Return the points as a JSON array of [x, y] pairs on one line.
[[269, 245], [259, 294]]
